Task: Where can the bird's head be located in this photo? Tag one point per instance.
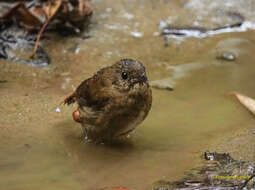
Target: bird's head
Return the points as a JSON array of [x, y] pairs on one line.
[[129, 73]]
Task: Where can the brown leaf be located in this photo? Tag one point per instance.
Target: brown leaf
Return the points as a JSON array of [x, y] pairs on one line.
[[248, 102], [52, 7], [22, 15]]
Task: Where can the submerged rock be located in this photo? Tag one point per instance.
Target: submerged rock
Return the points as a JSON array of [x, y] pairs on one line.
[[17, 45], [230, 49], [226, 56], [220, 171]]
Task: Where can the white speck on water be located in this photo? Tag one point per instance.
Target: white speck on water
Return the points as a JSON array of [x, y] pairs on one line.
[[108, 10], [136, 24], [58, 110], [162, 25], [116, 27], [63, 86], [65, 73], [77, 50], [196, 23], [111, 27], [137, 34], [128, 16], [104, 15], [156, 33], [108, 54], [68, 80]]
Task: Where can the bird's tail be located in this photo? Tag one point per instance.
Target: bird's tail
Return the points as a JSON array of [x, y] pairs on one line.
[[70, 99]]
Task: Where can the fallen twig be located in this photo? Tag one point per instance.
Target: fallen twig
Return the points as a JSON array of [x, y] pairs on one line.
[[39, 37], [50, 12]]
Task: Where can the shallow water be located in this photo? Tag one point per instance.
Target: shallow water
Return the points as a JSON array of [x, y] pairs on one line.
[[42, 149]]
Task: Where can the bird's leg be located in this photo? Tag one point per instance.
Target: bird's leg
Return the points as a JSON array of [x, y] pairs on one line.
[[85, 133]]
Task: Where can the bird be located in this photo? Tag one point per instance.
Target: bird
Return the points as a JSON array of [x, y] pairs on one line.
[[113, 101]]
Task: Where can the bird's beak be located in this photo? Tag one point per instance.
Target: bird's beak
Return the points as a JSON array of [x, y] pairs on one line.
[[140, 79], [143, 78]]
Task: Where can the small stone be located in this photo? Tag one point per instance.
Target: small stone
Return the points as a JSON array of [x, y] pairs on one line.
[[226, 56]]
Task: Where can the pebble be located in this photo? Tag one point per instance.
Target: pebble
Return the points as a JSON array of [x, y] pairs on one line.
[[226, 56]]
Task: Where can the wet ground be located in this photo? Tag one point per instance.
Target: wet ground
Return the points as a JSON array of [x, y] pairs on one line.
[[41, 148]]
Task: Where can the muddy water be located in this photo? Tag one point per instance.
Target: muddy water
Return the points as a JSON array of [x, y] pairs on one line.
[[42, 149]]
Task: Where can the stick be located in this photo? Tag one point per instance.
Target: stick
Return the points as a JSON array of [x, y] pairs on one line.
[[39, 37]]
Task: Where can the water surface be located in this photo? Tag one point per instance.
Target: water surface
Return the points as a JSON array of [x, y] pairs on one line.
[[42, 149]]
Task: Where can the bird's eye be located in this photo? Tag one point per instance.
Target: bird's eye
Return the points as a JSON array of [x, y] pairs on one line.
[[124, 75]]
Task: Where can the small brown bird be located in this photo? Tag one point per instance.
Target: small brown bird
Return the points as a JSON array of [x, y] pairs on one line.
[[112, 102]]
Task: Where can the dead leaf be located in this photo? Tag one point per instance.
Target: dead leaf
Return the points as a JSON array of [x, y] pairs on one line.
[[51, 8], [248, 102], [21, 14]]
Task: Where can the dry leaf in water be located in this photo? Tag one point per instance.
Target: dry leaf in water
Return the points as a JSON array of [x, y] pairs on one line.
[[51, 8], [248, 102]]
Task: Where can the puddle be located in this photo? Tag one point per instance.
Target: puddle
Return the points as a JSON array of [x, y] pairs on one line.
[[40, 144]]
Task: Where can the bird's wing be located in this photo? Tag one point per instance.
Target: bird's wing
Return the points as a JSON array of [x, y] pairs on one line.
[[79, 95], [93, 93]]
